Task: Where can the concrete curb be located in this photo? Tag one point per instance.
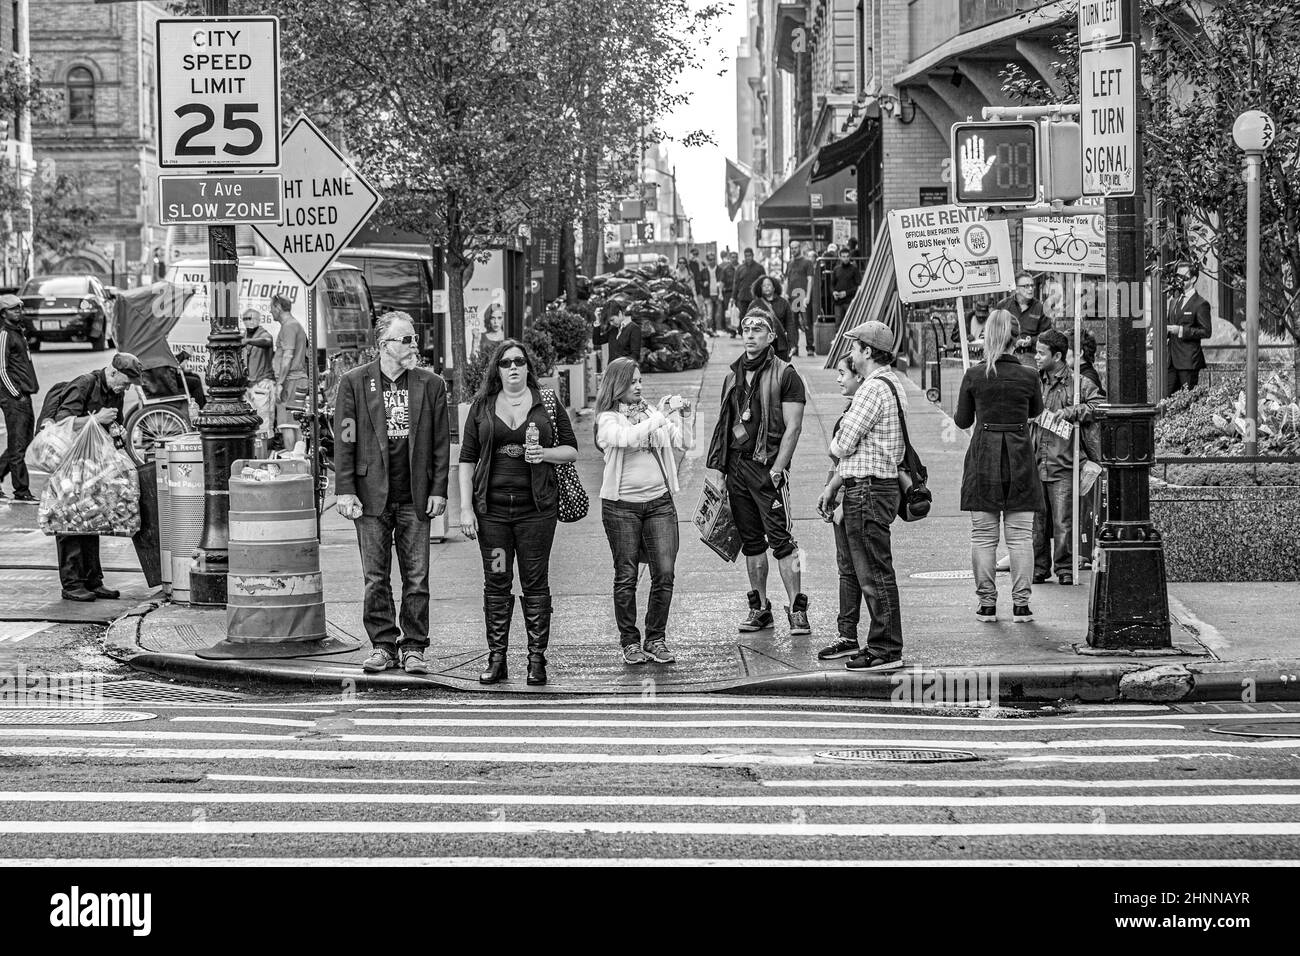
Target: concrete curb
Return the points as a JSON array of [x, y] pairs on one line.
[[1249, 681]]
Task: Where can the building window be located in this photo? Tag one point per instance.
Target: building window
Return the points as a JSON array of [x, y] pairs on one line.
[[81, 96]]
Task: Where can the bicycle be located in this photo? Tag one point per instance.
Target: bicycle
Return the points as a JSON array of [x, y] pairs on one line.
[[157, 419], [1047, 247], [923, 273]]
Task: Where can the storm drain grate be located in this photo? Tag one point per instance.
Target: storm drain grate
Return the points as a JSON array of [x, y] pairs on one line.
[[943, 575], [884, 755], [149, 692], [53, 716]]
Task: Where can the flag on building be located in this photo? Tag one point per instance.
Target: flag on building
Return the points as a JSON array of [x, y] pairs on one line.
[[737, 184]]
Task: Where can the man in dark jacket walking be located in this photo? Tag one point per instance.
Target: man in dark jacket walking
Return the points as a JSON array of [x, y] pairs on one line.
[[727, 277], [17, 386], [1027, 310], [845, 279], [622, 335], [748, 272]]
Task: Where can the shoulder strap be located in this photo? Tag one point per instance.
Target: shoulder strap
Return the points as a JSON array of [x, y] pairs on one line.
[[902, 417], [548, 399]]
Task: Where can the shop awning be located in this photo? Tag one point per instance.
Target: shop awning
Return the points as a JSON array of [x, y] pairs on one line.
[[789, 206], [789, 18], [845, 153]]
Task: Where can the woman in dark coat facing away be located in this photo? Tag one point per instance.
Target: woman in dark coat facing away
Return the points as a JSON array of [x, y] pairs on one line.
[[999, 484]]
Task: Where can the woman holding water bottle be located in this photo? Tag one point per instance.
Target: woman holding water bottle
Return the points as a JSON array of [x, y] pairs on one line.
[[509, 500]]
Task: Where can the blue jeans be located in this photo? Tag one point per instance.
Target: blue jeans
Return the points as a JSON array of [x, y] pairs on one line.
[[642, 531], [850, 590], [407, 527], [870, 506], [1054, 530]]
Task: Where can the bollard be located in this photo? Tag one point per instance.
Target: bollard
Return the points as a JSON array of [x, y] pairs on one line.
[[164, 517], [185, 496], [275, 604]]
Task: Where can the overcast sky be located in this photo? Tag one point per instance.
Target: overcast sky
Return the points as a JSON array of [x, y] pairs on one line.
[[700, 169]]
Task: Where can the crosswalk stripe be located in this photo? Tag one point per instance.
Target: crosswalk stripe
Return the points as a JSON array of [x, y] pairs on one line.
[[638, 827], [650, 800], [602, 861], [984, 783]]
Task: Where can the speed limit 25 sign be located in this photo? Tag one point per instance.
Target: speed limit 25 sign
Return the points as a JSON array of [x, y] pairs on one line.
[[219, 92]]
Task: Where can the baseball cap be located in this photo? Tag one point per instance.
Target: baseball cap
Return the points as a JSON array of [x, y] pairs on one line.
[[876, 335], [10, 302], [128, 365]]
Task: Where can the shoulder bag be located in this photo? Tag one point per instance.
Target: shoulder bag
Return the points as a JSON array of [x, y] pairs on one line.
[[914, 497], [573, 497]]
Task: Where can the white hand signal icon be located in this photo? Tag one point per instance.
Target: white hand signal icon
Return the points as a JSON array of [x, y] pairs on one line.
[[973, 164]]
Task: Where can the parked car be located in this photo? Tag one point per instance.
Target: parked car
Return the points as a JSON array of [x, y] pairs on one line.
[[67, 308]]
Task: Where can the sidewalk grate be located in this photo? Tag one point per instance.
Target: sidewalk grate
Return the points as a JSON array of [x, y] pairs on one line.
[[152, 692], [881, 755], [53, 716], [943, 575]]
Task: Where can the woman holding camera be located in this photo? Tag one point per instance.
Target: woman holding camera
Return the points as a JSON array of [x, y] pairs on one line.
[[637, 507], [510, 500]]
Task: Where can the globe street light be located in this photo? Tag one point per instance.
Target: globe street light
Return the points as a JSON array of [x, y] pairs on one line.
[[1253, 133]]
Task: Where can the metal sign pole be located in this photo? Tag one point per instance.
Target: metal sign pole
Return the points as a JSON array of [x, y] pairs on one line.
[[1074, 498], [961, 334], [312, 390]]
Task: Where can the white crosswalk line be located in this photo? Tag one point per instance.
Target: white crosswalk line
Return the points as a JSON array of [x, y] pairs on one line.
[[1000, 784], [604, 861]]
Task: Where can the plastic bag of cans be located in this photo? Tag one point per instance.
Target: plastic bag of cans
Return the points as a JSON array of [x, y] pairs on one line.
[[95, 491]]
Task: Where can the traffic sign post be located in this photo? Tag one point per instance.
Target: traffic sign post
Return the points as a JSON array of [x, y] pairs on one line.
[[1109, 83], [218, 92], [218, 200]]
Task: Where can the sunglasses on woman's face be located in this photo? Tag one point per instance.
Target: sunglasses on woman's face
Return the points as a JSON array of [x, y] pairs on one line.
[[512, 363]]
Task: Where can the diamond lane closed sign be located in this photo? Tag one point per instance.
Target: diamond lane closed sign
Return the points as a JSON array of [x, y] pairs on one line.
[[326, 201]]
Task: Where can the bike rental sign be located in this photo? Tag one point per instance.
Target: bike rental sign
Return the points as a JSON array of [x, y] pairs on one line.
[[941, 252], [1065, 244]]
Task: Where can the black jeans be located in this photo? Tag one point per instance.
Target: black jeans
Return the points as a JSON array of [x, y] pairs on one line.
[[19, 422], [850, 590], [407, 527], [642, 531], [870, 506], [511, 531], [79, 561]]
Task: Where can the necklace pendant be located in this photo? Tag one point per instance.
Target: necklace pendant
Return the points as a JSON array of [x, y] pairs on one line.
[[746, 415]]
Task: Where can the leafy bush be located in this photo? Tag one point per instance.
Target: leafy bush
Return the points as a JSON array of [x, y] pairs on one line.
[[1233, 476], [1211, 419], [570, 334], [475, 369], [543, 349]]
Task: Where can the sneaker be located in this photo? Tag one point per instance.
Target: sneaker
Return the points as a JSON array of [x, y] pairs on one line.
[[1022, 615], [760, 617], [632, 654], [78, 594], [811, 352], [844, 647], [1066, 579], [380, 659], [24, 497], [108, 594], [864, 660], [413, 661], [798, 615], [1041, 578], [658, 652], [988, 613]]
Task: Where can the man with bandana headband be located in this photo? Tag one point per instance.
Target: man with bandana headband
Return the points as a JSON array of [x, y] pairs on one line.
[[753, 443]]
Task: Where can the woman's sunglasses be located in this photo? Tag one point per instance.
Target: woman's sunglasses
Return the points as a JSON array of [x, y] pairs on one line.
[[512, 363]]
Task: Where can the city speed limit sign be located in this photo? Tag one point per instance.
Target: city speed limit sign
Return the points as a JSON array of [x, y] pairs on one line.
[[219, 92]]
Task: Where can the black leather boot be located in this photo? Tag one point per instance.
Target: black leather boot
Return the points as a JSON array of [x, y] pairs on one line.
[[498, 609], [537, 619]]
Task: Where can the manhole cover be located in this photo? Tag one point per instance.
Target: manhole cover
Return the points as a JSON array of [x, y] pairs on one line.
[[53, 716], [1265, 728], [899, 756], [943, 575]]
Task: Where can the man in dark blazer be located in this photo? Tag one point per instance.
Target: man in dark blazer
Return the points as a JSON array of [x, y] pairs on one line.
[[622, 335], [392, 456], [1186, 323]]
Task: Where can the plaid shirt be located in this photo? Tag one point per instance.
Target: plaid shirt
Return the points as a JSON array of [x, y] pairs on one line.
[[870, 440]]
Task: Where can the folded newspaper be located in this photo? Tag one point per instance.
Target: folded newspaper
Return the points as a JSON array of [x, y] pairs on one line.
[[714, 521], [1054, 423]]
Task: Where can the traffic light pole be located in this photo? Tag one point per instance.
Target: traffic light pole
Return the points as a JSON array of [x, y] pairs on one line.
[[1128, 607], [227, 422]]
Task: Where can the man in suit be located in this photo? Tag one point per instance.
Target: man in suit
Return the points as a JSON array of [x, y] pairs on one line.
[[1186, 323], [622, 335], [392, 457]]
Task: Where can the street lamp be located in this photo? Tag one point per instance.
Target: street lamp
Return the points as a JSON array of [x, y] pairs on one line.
[[1253, 132]]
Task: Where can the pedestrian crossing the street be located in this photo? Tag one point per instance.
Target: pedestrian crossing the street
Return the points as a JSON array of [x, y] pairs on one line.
[[692, 780]]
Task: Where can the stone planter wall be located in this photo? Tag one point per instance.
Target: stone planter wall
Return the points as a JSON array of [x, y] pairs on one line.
[[1247, 533]]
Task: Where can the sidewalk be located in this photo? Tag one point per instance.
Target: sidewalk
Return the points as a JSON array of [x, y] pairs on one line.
[[1224, 633]]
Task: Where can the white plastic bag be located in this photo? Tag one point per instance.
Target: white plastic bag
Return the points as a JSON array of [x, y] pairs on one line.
[[95, 491], [50, 446]]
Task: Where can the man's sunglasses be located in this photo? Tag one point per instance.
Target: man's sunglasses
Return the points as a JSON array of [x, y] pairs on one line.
[[512, 363], [405, 339]]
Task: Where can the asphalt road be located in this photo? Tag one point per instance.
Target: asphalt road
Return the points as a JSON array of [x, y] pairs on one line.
[[473, 780]]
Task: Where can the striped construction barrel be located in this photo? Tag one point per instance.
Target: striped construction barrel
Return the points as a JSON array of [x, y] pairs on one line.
[[185, 495], [164, 516], [273, 584]]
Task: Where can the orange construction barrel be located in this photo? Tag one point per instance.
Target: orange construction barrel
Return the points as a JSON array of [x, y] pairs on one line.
[[275, 604]]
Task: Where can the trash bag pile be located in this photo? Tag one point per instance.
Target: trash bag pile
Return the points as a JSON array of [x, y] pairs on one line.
[[672, 335], [96, 489]]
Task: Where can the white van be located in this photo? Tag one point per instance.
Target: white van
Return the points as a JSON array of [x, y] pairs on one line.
[[344, 316]]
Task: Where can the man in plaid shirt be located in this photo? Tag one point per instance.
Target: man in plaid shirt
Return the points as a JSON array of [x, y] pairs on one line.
[[869, 447]]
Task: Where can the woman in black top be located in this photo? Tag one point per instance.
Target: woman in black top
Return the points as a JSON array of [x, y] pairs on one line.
[[767, 296], [999, 484], [510, 499]]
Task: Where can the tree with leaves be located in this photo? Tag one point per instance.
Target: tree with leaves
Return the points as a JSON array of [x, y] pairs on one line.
[[1204, 65], [63, 219], [23, 94]]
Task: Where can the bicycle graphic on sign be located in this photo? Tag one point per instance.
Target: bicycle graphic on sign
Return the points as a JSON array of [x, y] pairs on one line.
[[952, 271], [1049, 247]]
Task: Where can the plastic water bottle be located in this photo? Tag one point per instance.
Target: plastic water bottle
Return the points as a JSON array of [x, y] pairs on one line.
[[531, 436]]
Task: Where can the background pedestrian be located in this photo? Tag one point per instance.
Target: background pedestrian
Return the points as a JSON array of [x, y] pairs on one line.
[[17, 386]]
